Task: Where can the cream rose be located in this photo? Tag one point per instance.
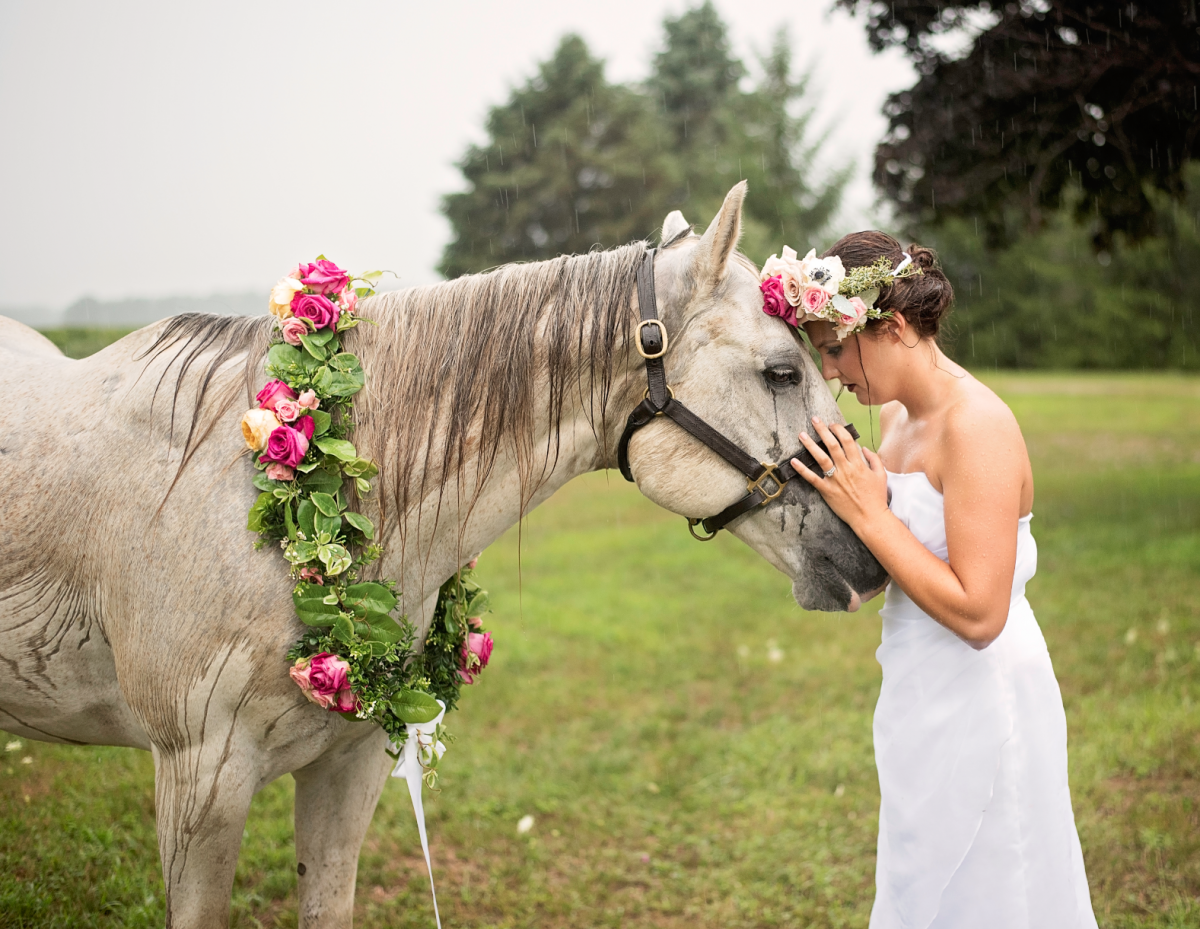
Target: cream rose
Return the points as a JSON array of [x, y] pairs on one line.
[[281, 296], [257, 426]]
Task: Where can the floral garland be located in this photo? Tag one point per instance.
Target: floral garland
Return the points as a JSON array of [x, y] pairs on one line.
[[357, 659], [809, 289]]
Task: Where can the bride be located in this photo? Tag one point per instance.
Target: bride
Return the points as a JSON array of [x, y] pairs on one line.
[[975, 823]]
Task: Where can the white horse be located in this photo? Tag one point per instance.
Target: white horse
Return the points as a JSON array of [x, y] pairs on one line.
[[134, 610]]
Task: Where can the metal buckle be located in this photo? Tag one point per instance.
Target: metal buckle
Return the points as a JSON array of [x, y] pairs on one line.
[[692, 524], [637, 337], [757, 483]]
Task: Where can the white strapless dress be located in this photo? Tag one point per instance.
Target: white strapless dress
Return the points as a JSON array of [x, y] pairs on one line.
[[975, 822]]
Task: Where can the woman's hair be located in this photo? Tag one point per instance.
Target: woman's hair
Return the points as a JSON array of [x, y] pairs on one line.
[[923, 299]]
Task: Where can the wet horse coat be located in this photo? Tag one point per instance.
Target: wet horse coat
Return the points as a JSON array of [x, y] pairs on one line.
[[134, 610]]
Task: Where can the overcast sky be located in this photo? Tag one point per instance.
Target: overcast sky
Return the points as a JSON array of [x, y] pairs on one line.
[[155, 149]]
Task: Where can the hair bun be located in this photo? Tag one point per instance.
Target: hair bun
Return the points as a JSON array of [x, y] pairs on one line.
[[924, 257]]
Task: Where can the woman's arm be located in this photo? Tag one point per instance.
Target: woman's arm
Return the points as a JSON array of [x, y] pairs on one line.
[[982, 478]]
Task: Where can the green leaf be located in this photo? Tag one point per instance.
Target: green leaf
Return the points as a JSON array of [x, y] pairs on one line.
[[322, 381], [322, 482], [330, 524], [335, 558], [262, 482], [371, 276], [325, 503], [304, 517], [361, 467], [323, 337], [384, 629], [260, 511], [372, 597], [288, 522], [338, 448], [343, 629], [479, 604], [309, 465], [309, 600], [364, 487], [283, 357], [301, 552], [415, 706], [360, 522], [346, 383], [321, 421], [317, 351]]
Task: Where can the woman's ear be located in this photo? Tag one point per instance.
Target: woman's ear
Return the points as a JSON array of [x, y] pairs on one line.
[[895, 328]]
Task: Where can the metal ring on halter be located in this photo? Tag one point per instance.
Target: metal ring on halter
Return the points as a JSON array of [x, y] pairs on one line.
[[831, 472], [693, 523]]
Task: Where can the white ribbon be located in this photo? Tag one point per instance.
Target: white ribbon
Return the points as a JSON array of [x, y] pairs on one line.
[[420, 747], [904, 264]]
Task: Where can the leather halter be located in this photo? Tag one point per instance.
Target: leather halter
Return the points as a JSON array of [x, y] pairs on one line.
[[764, 482]]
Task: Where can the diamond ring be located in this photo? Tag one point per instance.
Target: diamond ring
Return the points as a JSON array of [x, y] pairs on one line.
[[831, 471]]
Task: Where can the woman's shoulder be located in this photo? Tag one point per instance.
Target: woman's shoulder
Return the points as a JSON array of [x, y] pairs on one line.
[[979, 426]]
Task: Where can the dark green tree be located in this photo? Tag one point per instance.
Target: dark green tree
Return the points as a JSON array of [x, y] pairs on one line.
[[1050, 95], [572, 161]]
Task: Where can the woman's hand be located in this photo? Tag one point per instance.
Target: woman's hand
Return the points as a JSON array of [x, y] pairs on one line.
[[857, 489]]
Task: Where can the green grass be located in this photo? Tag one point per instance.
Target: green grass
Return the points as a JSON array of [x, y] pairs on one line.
[[79, 341], [677, 776]]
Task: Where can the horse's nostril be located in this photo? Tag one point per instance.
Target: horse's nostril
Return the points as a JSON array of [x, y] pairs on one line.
[[854, 604]]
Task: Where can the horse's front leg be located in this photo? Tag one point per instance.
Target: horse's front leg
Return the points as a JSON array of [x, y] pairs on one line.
[[335, 800], [202, 794]]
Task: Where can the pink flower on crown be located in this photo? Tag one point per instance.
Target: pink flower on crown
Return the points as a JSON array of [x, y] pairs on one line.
[[292, 328], [273, 391], [813, 300], [348, 300], [323, 277], [476, 652], [317, 308], [775, 301], [308, 400]]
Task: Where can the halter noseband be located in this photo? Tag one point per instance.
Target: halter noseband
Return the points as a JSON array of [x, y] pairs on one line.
[[764, 482]]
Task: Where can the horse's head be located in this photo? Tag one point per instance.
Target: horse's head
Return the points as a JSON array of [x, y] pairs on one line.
[[749, 376]]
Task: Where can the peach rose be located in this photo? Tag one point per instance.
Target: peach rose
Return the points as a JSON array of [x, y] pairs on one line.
[[814, 299], [292, 329], [257, 426], [308, 400], [287, 410], [281, 296], [280, 472]]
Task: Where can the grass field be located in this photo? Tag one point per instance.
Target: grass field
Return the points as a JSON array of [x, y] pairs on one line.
[[696, 750]]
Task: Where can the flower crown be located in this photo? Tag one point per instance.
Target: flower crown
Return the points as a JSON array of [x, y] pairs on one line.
[[800, 290]]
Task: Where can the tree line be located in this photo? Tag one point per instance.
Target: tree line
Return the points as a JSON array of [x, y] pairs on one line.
[[1047, 155]]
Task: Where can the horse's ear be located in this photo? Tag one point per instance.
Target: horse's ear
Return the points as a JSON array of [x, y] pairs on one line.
[[720, 238], [674, 225]]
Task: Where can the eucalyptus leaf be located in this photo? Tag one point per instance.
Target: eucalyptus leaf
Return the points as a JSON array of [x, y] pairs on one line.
[[360, 522], [325, 503], [415, 707], [338, 448]]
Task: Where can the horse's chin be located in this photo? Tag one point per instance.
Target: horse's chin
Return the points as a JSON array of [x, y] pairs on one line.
[[832, 596]]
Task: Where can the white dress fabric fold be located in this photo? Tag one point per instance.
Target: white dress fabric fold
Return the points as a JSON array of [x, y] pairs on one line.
[[975, 821]]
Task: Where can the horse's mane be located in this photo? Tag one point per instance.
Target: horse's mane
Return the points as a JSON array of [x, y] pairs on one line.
[[454, 370]]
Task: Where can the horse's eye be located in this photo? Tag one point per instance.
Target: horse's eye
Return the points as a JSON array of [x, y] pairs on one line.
[[782, 376]]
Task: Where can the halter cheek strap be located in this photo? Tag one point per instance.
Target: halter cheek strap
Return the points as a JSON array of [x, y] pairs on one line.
[[765, 482]]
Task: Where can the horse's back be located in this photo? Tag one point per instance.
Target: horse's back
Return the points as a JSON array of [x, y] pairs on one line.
[[20, 341]]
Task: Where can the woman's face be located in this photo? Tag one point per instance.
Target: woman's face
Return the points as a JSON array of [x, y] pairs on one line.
[[842, 360]]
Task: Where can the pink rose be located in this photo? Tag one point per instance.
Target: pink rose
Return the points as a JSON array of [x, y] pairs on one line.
[[348, 301], [280, 472], [477, 650], [305, 426], [814, 299], [286, 446], [324, 277], [792, 288], [860, 313], [287, 410], [775, 302], [317, 307], [308, 400], [323, 678], [312, 575], [272, 393], [292, 328]]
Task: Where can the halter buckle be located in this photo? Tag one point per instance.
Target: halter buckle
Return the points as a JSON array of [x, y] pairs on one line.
[[769, 473], [638, 338]]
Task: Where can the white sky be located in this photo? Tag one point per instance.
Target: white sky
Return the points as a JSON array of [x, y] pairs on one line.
[[155, 149]]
